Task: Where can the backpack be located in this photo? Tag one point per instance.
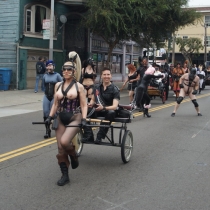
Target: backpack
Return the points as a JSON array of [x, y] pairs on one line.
[[38, 68]]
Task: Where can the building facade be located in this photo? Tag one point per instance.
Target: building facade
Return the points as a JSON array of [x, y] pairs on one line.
[[23, 39], [200, 30]]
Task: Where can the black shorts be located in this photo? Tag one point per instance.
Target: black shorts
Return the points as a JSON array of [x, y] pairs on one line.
[[132, 86]]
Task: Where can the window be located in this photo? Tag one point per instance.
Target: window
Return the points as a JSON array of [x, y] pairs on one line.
[[185, 37], [207, 41], [207, 20], [34, 16]]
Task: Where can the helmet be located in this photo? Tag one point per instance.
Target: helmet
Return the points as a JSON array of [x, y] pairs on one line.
[[50, 62], [193, 71]]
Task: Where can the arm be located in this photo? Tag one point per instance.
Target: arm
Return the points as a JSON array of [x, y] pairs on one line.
[[83, 102], [124, 84], [137, 78]]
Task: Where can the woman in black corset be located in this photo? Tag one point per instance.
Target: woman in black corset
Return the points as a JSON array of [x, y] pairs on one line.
[[133, 78], [88, 77]]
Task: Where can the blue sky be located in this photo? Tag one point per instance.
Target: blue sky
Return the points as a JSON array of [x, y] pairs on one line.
[[199, 3]]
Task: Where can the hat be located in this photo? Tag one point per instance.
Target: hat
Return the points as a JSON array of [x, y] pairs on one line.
[[50, 62]]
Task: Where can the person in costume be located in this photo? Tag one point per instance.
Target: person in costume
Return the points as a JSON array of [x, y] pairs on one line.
[[189, 85], [49, 81], [71, 107]]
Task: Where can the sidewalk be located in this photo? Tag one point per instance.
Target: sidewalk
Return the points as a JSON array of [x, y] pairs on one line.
[[14, 102]]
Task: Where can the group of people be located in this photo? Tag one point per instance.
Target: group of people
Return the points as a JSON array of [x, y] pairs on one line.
[[74, 96]]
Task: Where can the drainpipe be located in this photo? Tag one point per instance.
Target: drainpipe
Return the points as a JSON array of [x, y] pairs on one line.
[[17, 75], [123, 62]]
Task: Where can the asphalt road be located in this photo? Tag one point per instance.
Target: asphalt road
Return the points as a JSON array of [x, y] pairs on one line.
[[169, 168]]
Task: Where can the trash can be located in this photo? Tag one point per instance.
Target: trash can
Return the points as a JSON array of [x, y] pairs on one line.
[[5, 78]]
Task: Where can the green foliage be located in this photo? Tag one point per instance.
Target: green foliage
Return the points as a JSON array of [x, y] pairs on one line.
[[189, 47], [144, 21]]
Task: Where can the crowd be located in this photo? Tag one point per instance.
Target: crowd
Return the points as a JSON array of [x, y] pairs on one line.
[[69, 99]]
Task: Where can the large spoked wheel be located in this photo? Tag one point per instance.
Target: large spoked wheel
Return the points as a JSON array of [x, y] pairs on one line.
[[78, 143], [163, 96], [127, 146]]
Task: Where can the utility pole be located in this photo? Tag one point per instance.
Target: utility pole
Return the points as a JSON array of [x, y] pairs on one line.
[[51, 31], [205, 43], [173, 49]]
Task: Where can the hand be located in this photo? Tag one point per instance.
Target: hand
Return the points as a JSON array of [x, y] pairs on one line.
[[194, 92], [48, 120], [83, 122], [99, 107], [181, 85]]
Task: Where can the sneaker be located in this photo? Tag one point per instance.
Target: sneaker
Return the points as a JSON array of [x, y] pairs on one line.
[[199, 114], [174, 95], [173, 114], [35, 91]]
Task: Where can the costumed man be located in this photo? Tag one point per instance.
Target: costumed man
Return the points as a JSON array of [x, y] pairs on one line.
[[177, 73], [189, 84], [201, 74], [49, 80], [105, 98]]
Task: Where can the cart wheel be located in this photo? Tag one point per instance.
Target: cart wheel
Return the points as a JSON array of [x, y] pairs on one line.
[[127, 146], [163, 96], [78, 143]]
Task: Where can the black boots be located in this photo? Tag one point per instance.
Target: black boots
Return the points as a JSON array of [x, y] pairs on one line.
[[101, 133], [88, 135], [48, 131], [200, 90], [146, 113], [73, 156], [65, 176]]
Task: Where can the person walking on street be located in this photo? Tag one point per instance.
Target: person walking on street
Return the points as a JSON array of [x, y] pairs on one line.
[[49, 81], [40, 71], [201, 74], [71, 106]]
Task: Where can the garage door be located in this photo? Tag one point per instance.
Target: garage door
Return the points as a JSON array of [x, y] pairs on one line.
[[33, 57]]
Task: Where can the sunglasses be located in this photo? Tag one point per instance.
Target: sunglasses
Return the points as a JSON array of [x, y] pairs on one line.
[[67, 69]]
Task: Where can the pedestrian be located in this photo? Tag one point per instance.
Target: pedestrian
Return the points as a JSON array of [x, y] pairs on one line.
[[189, 85], [49, 81], [88, 77], [40, 71], [133, 78], [71, 106], [177, 73], [185, 67], [201, 74]]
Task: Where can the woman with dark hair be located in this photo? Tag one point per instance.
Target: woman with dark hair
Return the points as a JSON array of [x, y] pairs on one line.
[[71, 107], [88, 77], [133, 78]]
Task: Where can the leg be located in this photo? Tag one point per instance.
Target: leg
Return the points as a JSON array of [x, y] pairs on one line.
[[147, 99], [139, 95], [194, 101], [46, 111], [178, 102], [89, 94], [67, 137], [131, 93], [109, 115], [37, 83]]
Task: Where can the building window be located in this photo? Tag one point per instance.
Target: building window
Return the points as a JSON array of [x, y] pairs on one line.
[[34, 16], [185, 37], [207, 41], [207, 20]]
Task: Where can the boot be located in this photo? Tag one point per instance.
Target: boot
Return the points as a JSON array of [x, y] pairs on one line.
[[101, 133], [65, 176], [48, 131], [200, 90], [88, 135], [146, 113], [73, 156]]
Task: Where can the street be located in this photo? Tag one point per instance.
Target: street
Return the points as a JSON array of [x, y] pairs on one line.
[[169, 168]]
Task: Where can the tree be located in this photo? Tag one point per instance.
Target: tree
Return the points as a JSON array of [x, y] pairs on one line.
[[146, 21], [189, 47]]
